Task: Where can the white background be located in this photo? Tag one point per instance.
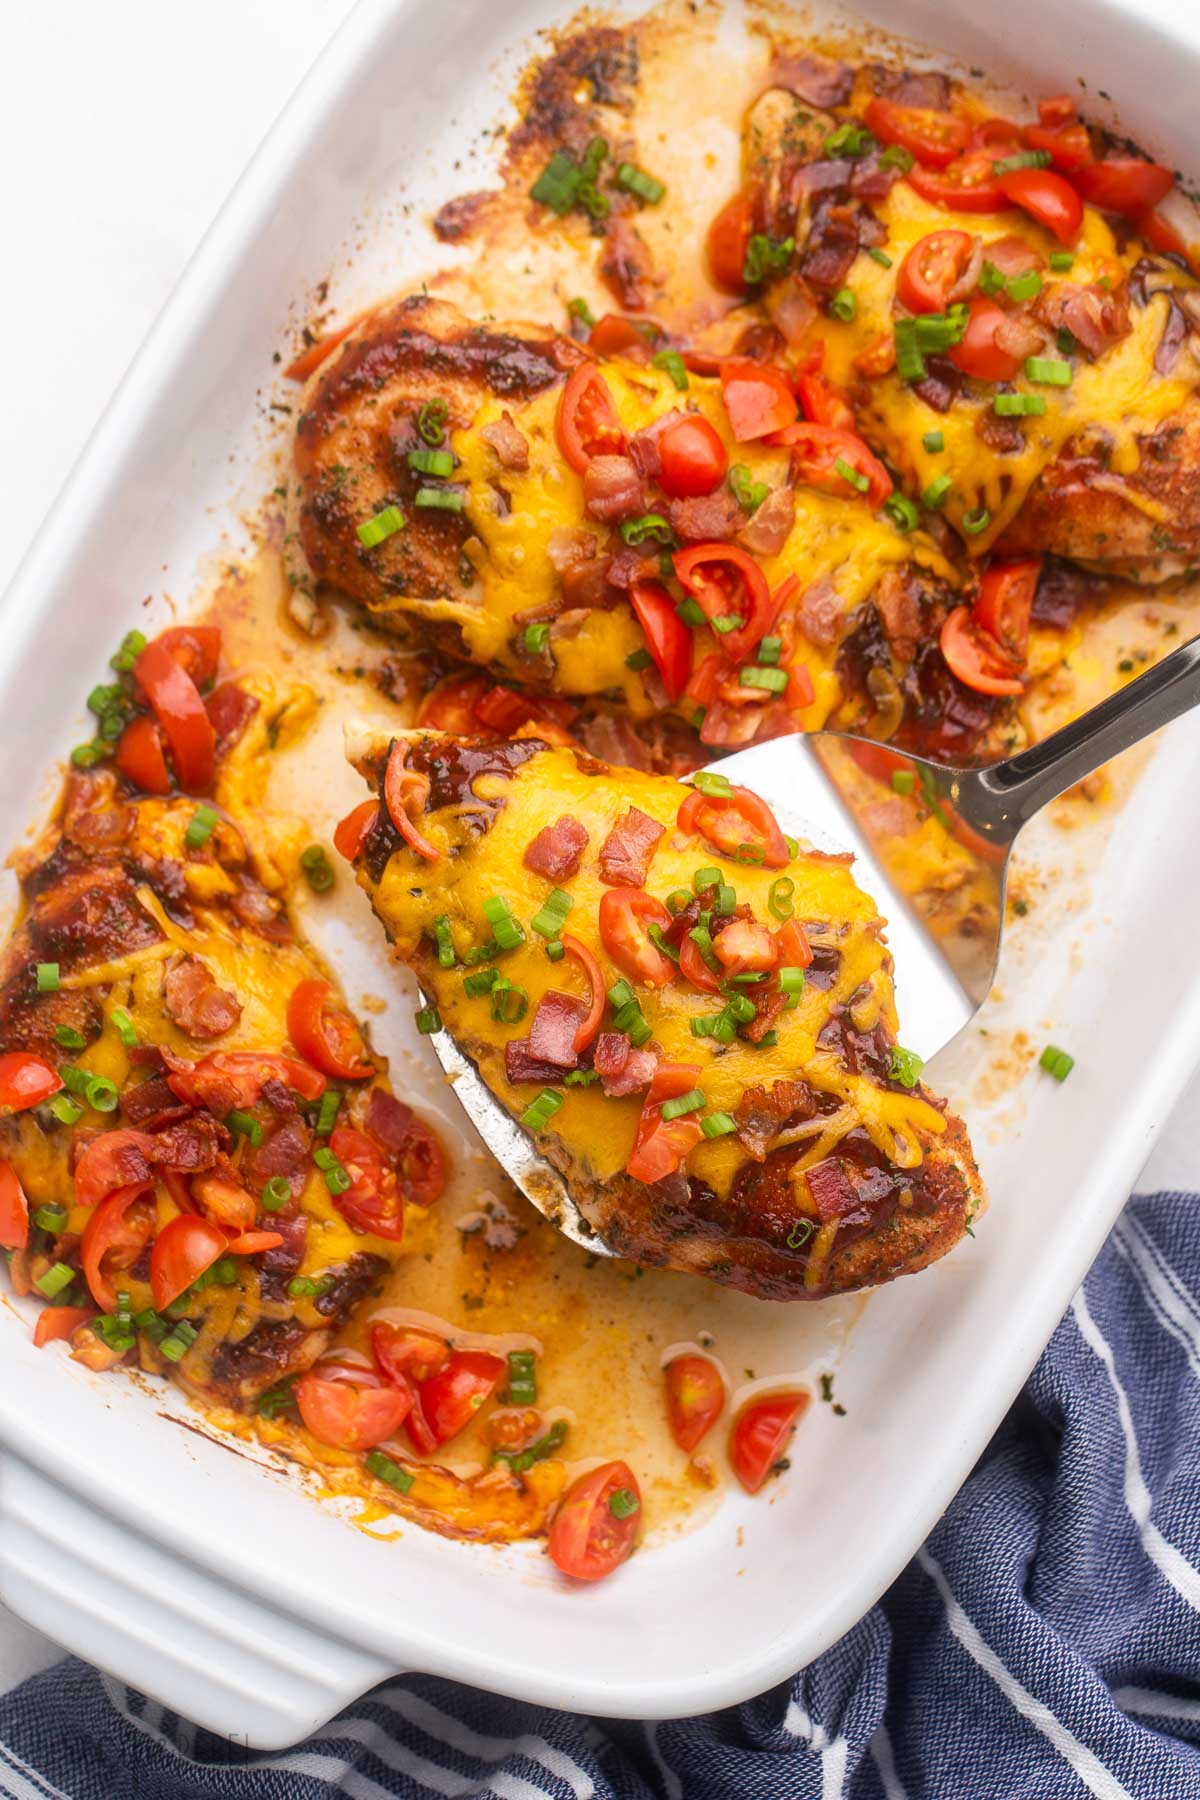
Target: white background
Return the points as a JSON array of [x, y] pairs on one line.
[[122, 129]]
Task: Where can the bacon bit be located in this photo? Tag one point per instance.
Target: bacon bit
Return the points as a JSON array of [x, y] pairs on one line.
[[1096, 319], [833, 1194], [520, 1065], [625, 264], [149, 1104], [820, 80], [93, 818], [871, 180], [588, 587], [1013, 256], [1002, 435], [632, 563], [195, 1002], [557, 849], [928, 88], [626, 852], [823, 180], [708, 518], [388, 1120], [190, 1145], [567, 545], [768, 1005], [831, 248], [285, 1152], [770, 527], [622, 1069], [791, 308], [511, 446], [762, 1112], [819, 611], [612, 489], [900, 612], [553, 1029], [941, 385], [1019, 334], [230, 709]]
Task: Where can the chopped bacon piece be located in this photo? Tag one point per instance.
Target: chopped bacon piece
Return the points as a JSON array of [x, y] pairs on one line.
[[819, 611], [552, 1031], [762, 1113], [625, 263], [940, 385], [872, 179], [511, 446], [832, 1192], [557, 849], [521, 1065], [611, 1052], [622, 1069], [286, 1152], [768, 1004], [286, 1258], [567, 546], [626, 852], [769, 527], [612, 489], [831, 248], [706, 518], [588, 586], [928, 89], [1096, 319], [821, 80], [230, 709], [151, 1103], [195, 1002], [901, 613], [388, 1120], [189, 1144], [632, 562]]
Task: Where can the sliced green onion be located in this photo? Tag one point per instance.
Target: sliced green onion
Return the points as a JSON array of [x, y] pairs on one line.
[[441, 499], [850, 139], [620, 994], [509, 1002], [445, 941], [632, 1021], [579, 309], [793, 846], [59, 1276], [536, 637], [935, 494], [522, 1378], [651, 526], [714, 1025], [132, 645], [336, 1178], [383, 524], [740, 1008], [767, 1041], [101, 1093], [623, 1502], [480, 981], [726, 899], [47, 978], [766, 256], [86, 756], [910, 364], [1024, 286], [1056, 1062], [690, 1102], [318, 870], [711, 781], [276, 1193], [549, 922], [903, 781], [51, 1218], [780, 897], [702, 938], [115, 1333], [1019, 406], [991, 281], [934, 442], [880, 256], [903, 514], [273, 1400], [655, 934], [124, 1027], [726, 622], [748, 493], [69, 1038], [637, 660], [520, 1460], [327, 1112], [691, 612], [774, 681], [431, 462], [1061, 261], [905, 1066], [718, 1124], [64, 1109], [200, 827], [304, 1287], [897, 157], [539, 1112], [976, 521], [431, 421], [749, 853], [791, 981], [941, 331], [244, 1124], [384, 1469], [1048, 372], [844, 305], [674, 365], [509, 932], [175, 1347], [555, 950], [677, 899], [1065, 339], [849, 473], [706, 878], [558, 184], [633, 180], [1023, 159], [428, 1020]]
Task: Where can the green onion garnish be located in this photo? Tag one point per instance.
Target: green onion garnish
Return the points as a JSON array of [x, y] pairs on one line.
[[522, 1378], [636, 181], [428, 1020], [623, 1502], [445, 941], [766, 256], [69, 1038], [480, 982], [905, 1066], [791, 980], [674, 365], [549, 922], [431, 421], [1047, 371], [991, 281], [620, 994], [844, 305], [849, 473], [51, 1218], [637, 660], [200, 827], [1056, 1062], [897, 157], [934, 442], [336, 1178], [910, 364], [59, 1276], [554, 950], [509, 932], [773, 680], [976, 521], [509, 1002], [244, 1124], [941, 331], [558, 184], [706, 878], [442, 499], [383, 525], [1024, 286], [1023, 159], [431, 462], [748, 493], [691, 612], [1019, 406], [384, 1469], [880, 256], [726, 622], [718, 1124], [124, 1027], [47, 978], [677, 899], [318, 870], [86, 756], [64, 1109], [327, 1112], [1061, 261], [536, 638], [690, 1102], [711, 781], [850, 139], [579, 1077], [276, 1193], [175, 1347], [903, 514], [780, 897], [520, 1460], [304, 1287], [132, 645], [539, 1112], [579, 309], [631, 1020], [1065, 339], [649, 526], [749, 853], [714, 1025], [903, 781], [935, 494], [273, 1400]]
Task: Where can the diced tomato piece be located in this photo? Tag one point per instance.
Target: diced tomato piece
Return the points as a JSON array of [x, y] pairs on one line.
[[792, 948], [57, 1322], [978, 353], [594, 1528], [693, 968], [726, 582], [1061, 133], [405, 1354], [728, 241], [612, 333], [976, 658], [668, 639], [450, 706], [823, 402], [324, 1034], [25, 1081], [661, 1145], [817, 451], [934, 138], [196, 648], [759, 399], [695, 1398], [240, 1073], [140, 756], [932, 270], [405, 792], [735, 821], [373, 1201], [761, 1433], [353, 831], [588, 423], [421, 1165], [1047, 197], [745, 946], [349, 1408], [1005, 603], [1123, 184], [182, 1251], [110, 1234], [179, 709], [14, 1210], [624, 915], [448, 1401], [692, 458]]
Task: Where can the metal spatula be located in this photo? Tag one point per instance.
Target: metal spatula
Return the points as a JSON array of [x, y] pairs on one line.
[[941, 981]]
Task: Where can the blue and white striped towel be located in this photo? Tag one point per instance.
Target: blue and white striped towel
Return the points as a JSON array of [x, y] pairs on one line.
[[1044, 1645]]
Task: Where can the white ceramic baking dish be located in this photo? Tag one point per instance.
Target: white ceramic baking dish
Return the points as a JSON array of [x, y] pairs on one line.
[[214, 1582]]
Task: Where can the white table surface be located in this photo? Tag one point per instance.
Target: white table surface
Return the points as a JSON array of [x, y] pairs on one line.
[[121, 131]]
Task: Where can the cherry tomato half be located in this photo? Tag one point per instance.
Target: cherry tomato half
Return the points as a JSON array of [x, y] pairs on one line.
[[823, 402], [733, 821], [373, 1201], [140, 756], [350, 1408], [613, 333], [196, 648], [450, 706], [660, 1145], [182, 1251], [1123, 184], [976, 658], [668, 639], [692, 458], [447, 1402], [978, 353], [744, 946], [181, 712], [14, 1210], [324, 1035], [932, 270], [728, 240], [934, 138], [758, 397], [352, 832], [421, 1164], [693, 968], [57, 1322], [1047, 197], [1061, 133], [818, 449], [405, 792], [760, 1435], [726, 581], [968, 185], [624, 915], [579, 953], [110, 1235], [25, 1081], [588, 424], [597, 1520], [404, 1354], [1005, 602], [695, 1398], [234, 1078]]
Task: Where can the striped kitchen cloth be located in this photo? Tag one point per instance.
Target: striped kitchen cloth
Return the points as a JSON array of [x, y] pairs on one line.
[[1045, 1643]]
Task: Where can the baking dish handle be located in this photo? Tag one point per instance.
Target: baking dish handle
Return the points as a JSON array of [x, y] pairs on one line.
[[200, 1647]]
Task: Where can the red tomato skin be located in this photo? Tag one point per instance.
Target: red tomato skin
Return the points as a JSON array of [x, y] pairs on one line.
[[1005, 603], [325, 1036], [588, 423], [977, 660], [403, 1354], [450, 706], [104, 1231], [823, 403], [57, 1322], [717, 576], [1123, 184], [140, 756], [624, 915], [758, 399], [702, 813], [181, 712], [14, 1210], [196, 648], [353, 831], [969, 184], [352, 1409], [979, 354], [728, 240], [694, 969], [613, 333], [422, 1165], [448, 1401], [816, 450], [931, 269], [400, 786], [579, 953], [668, 639], [25, 1081], [692, 457], [695, 1398], [182, 1251], [1047, 197], [760, 1436], [586, 1540], [372, 1202]]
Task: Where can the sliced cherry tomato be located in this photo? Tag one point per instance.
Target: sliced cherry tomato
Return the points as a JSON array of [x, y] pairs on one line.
[[405, 1354], [182, 1251], [728, 241], [746, 945], [596, 1523], [624, 915], [1005, 602], [405, 788], [1047, 197], [14, 1210], [879, 357], [450, 706], [56, 1322], [668, 639], [109, 1234], [660, 1145], [761, 1433], [373, 1201], [1161, 235], [978, 353], [934, 138], [448, 1401], [591, 969], [725, 580], [1000, 136], [421, 1164], [253, 1243], [353, 831], [692, 458], [792, 948], [25, 1081], [758, 397], [1123, 184], [310, 360], [968, 185], [730, 821], [196, 648], [818, 449], [349, 1408], [932, 270], [233, 1078], [181, 712], [1061, 133], [823, 402], [976, 658], [140, 756], [324, 1035], [695, 1398], [588, 423], [115, 1159], [693, 968], [613, 333]]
